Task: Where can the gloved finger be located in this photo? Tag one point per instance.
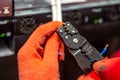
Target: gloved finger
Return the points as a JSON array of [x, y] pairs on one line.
[[51, 50], [108, 69], [61, 51], [91, 76], [85, 77], [39, 36], [105, 64]]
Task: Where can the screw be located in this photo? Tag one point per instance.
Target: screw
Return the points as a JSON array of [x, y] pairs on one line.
[[73, 31], [75, 40], [68, 24], [61, 31], [66, 37]]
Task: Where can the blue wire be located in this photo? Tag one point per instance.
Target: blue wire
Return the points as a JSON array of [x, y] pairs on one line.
[[103, 51]]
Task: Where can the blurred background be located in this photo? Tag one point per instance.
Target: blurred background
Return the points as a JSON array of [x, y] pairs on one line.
[[97, 20]]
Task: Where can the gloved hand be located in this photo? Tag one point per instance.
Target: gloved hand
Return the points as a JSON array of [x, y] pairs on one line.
[[107, 69], [38, 58]]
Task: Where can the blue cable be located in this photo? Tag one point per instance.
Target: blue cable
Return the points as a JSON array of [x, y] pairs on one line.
[[104, 50]]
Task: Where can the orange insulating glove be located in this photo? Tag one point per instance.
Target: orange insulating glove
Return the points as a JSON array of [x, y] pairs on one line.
[[38, 58], [107, 69]]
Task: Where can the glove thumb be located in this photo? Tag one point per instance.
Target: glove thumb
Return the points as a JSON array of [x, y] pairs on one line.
[[108, 69]]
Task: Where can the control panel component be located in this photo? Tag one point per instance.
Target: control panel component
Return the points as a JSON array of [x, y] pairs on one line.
[[6, 8], [92, 15], [27, 24], [6, 28]]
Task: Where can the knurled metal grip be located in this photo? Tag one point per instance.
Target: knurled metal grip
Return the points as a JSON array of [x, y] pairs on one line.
[[83, 52]]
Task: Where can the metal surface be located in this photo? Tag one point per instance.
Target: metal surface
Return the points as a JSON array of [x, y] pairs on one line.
[[31, 7], [4, 50]]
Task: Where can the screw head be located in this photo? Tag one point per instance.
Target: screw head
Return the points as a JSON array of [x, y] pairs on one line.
[[66, 37], [68, 24], [73, 31], [61, 31], [75, 40]]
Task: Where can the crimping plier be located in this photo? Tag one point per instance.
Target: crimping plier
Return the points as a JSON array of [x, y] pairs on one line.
[[83, 52]]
